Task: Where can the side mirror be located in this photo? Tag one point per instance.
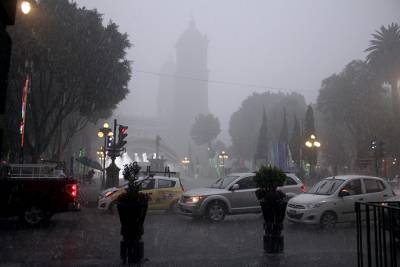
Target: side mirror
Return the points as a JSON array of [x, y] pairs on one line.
[[344, 193], [234, 187]]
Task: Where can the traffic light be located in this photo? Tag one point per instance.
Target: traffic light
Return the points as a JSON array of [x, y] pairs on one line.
[[110, 140], [122, 134], [373, 144]]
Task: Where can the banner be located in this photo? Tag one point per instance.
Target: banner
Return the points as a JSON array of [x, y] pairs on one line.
[[25, 92]]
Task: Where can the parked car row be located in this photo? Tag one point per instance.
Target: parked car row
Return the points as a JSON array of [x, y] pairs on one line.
[[330, 201]]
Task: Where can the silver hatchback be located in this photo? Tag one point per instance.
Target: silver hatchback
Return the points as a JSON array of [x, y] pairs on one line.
[[233, 194]]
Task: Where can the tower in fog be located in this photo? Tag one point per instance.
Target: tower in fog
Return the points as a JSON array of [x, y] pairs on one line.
[[191, 87], [166, 85]]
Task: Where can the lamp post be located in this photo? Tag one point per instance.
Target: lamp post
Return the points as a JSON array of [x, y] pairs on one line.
[[104, 132], [223, 156], [185, 163], [312, 143], [101, 155]]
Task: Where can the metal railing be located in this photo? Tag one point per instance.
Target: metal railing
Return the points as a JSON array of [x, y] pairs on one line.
[[378, 234]]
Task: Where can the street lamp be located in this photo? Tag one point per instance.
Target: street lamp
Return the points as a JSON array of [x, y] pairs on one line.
[[26, 7], [103, 133], [186, 163], [223, 156], [312, 143]]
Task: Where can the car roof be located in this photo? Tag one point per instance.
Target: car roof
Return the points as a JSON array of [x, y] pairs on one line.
[[242, 174], [351, 176], [166, 177]]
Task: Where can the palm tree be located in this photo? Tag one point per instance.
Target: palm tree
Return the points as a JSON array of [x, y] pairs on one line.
[[384, 58]]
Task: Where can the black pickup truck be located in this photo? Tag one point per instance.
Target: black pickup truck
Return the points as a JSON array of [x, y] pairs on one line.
[[35, 192]]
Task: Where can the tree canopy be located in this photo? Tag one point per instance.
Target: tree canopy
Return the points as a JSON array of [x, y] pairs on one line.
[[249, 117], [205, 129], [78, 68], [384, 59], [354, 101]]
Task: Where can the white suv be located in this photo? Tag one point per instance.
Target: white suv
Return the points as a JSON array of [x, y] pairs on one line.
[[333, 199], [233, 194]]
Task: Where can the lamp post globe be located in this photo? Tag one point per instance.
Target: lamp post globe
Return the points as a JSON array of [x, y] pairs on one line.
[[26, 7]]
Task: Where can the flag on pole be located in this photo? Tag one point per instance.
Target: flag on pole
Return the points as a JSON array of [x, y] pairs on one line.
[[25, 91]]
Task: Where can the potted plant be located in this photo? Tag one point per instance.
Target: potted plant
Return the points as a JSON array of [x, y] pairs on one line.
[[273, 204], [132, 208]]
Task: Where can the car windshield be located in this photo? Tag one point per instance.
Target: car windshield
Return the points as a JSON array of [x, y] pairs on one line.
[[224, 181], [325, 187]]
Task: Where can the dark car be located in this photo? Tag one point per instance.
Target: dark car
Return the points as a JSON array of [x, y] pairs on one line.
[[35, 192]]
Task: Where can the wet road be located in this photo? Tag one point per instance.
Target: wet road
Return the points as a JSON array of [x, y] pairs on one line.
[[91, 238]]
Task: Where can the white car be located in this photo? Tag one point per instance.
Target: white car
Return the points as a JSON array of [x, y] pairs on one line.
[[333, 199]]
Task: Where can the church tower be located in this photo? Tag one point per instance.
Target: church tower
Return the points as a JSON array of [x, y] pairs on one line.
[[191, 86]]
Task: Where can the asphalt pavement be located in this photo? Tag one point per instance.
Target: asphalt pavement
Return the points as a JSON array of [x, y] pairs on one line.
[[91, 238]]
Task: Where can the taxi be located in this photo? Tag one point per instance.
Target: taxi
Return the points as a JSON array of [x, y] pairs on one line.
[[163, 193]]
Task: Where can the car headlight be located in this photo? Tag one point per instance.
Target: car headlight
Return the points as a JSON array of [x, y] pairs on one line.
[[194, 199], [315, 205]]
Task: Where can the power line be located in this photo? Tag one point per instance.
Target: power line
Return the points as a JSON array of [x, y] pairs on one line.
[[215, 81]]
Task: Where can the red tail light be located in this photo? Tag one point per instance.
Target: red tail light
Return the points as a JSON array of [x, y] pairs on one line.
[[72, 189], [303, 188]]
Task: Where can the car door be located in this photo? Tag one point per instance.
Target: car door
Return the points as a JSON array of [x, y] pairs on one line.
[[346, 204], [244, 198], [148, 186], [166, 193], [374, 190]]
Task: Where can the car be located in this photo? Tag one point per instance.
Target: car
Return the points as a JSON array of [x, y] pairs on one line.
[[35, 192], [232, 194], [332, 200], [163, 193]]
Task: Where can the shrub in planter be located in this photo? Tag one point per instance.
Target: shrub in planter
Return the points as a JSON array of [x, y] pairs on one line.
[[132, 208], [273, 205]]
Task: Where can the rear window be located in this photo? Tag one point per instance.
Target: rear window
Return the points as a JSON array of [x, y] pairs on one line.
[[166, 183], [290, 181], [373, 185]]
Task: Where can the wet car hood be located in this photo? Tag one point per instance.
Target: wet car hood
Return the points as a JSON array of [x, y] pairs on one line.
[[111, 189], [205, 191], [308, 198]]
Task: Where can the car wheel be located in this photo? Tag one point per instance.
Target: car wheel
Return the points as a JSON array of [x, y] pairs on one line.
[[216, 211], [34, 215], [328, 220]]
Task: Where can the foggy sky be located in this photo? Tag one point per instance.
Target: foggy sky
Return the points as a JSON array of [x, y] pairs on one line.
[[281, 44]]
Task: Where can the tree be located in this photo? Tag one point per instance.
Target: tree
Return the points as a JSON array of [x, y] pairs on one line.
[[249, 116], [262, 141], [284, 136], [296, 141], [205, 129], [78, 69], [354, 103], [384, 59]]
